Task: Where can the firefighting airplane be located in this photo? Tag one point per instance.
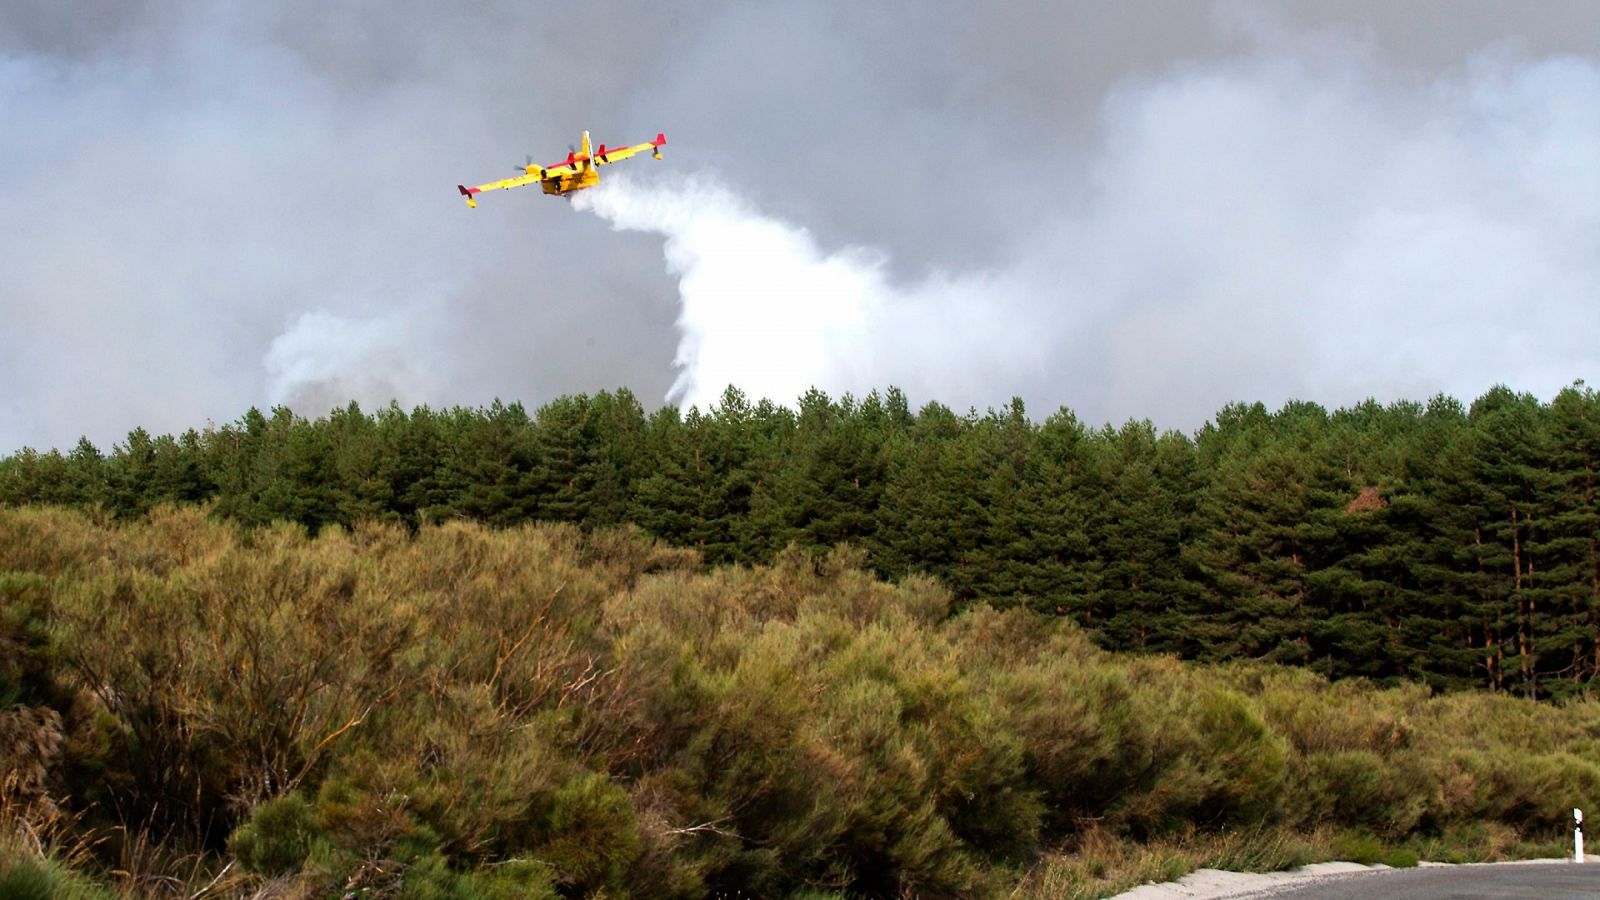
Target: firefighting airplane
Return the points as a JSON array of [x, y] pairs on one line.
[[576, 172]]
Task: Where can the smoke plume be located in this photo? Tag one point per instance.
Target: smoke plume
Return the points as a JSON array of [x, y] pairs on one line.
[[326, 360], [1267, 228]]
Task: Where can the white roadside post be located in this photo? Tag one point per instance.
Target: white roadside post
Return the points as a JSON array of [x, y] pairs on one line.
[[1577, 835]]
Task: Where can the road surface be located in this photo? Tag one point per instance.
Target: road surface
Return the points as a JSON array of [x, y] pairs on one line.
[[1526, 881], [1535, 880]]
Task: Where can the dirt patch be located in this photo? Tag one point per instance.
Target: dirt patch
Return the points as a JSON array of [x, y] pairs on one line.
[[1368, 500]]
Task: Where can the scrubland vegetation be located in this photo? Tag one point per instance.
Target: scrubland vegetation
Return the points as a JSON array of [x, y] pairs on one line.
[[193, 706]]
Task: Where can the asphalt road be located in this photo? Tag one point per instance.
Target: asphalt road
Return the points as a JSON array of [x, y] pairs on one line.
[[1531, 881]]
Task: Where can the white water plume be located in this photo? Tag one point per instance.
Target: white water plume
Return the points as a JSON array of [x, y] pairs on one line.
[[765, 309]]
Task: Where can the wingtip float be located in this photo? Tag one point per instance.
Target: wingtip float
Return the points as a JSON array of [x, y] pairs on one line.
[[579, 170]]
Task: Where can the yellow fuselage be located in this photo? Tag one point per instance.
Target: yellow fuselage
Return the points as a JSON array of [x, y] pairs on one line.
[[565, 182]]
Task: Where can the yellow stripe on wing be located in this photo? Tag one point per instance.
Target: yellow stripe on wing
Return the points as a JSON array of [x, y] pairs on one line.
[[622, 153], [508, 183]]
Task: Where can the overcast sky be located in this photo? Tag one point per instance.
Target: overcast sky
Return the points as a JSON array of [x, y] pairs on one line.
[[1136, 209]]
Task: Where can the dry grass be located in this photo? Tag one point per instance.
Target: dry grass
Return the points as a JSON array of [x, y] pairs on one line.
[[1099, 865]]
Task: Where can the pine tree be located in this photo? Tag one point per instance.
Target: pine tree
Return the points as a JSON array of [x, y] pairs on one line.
[[1061, 489], [1254, 537], [615, 424], [1141, 597], [295, 471], [1567, 631], [362, 489], [1509, 443], [931, 519], [830, 483], [488, 465], [1365, 594], [409, 458], [665, 501], [565, 475]]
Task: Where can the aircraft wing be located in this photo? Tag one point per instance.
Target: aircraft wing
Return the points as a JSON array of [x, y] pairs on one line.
[[506, 184], [610, 156]]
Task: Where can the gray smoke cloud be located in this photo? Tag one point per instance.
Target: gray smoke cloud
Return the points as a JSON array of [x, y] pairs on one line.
[[1135, 209]]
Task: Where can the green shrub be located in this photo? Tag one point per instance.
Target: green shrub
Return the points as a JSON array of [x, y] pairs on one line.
[[1401, 858], [1213, 761], [1357, 789], [276, 837], [27, 880], [1367, 849], [26, 675], [50, 541], [590, 832], [24, 877], [431, 878], [1359, 847]]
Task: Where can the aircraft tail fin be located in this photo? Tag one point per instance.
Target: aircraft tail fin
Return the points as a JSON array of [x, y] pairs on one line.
[[658, 143], [467, 193]]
